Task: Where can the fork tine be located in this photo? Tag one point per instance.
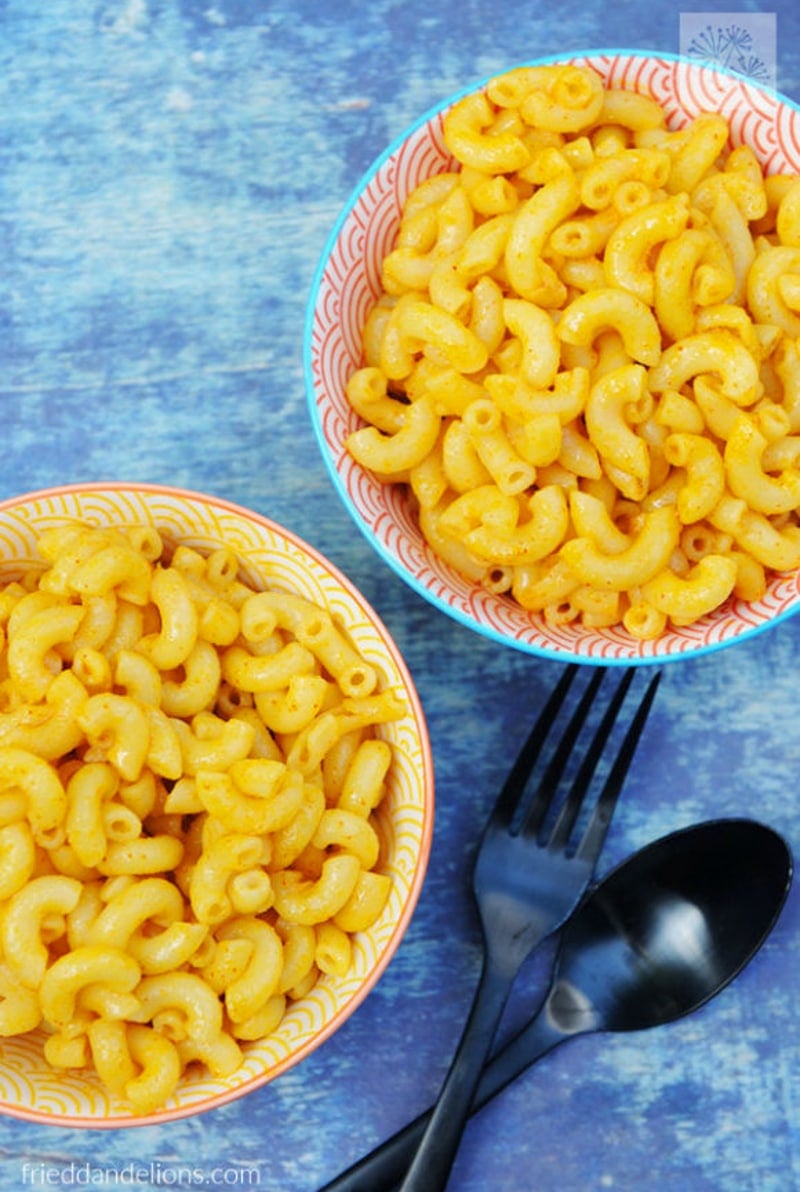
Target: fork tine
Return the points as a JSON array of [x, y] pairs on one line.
[[595, 834], [548, 786], [574, 800], [514, 785]]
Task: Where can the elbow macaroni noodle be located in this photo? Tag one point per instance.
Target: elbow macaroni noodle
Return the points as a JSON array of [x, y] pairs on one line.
[[175, 867], [584, 362]]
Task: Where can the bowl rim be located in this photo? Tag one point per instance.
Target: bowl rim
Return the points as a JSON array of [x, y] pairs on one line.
[[427, 788], [639, 654]]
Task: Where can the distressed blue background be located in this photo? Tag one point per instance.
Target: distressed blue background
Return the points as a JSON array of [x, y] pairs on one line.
[[169, 171]]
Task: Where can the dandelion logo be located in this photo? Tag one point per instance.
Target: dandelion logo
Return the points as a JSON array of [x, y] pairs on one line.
[[740, 41]]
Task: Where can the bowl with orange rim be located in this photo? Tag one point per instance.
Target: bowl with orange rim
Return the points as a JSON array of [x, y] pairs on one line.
[[402, 333], [54, 1063]]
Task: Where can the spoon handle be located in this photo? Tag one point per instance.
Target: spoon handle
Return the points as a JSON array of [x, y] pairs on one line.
[[383, 1168]]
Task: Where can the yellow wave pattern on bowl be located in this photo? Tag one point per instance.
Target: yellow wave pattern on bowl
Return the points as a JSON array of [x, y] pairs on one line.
[[269, 555]]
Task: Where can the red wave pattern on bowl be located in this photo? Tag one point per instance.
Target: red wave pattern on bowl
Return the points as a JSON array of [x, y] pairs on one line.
[[349, 283]]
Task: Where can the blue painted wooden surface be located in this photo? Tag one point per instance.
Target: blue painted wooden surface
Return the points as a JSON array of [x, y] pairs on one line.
[[169, 170]]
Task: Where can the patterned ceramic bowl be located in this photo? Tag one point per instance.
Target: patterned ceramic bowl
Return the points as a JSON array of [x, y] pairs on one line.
[[348, 282], [269, 555]]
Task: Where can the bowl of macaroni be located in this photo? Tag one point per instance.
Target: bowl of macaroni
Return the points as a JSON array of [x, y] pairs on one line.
[[551, 357], [216, 801]]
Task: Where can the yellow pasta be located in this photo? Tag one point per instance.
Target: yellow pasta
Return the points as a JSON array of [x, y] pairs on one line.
[[187, 806], [592, 305]]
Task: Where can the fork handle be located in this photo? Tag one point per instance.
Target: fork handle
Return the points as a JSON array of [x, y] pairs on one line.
[[430, 1167], [382, 1169]]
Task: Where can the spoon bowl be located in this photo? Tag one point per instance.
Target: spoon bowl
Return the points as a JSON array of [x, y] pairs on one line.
[[670, 927], [657, 938]]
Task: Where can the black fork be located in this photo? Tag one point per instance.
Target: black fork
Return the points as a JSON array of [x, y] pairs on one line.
[[528, 879]]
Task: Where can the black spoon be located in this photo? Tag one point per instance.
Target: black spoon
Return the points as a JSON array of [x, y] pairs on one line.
[[660, 936]]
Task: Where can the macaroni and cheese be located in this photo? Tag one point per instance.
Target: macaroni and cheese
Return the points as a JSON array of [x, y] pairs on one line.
[[189, 777], [584, 359]]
